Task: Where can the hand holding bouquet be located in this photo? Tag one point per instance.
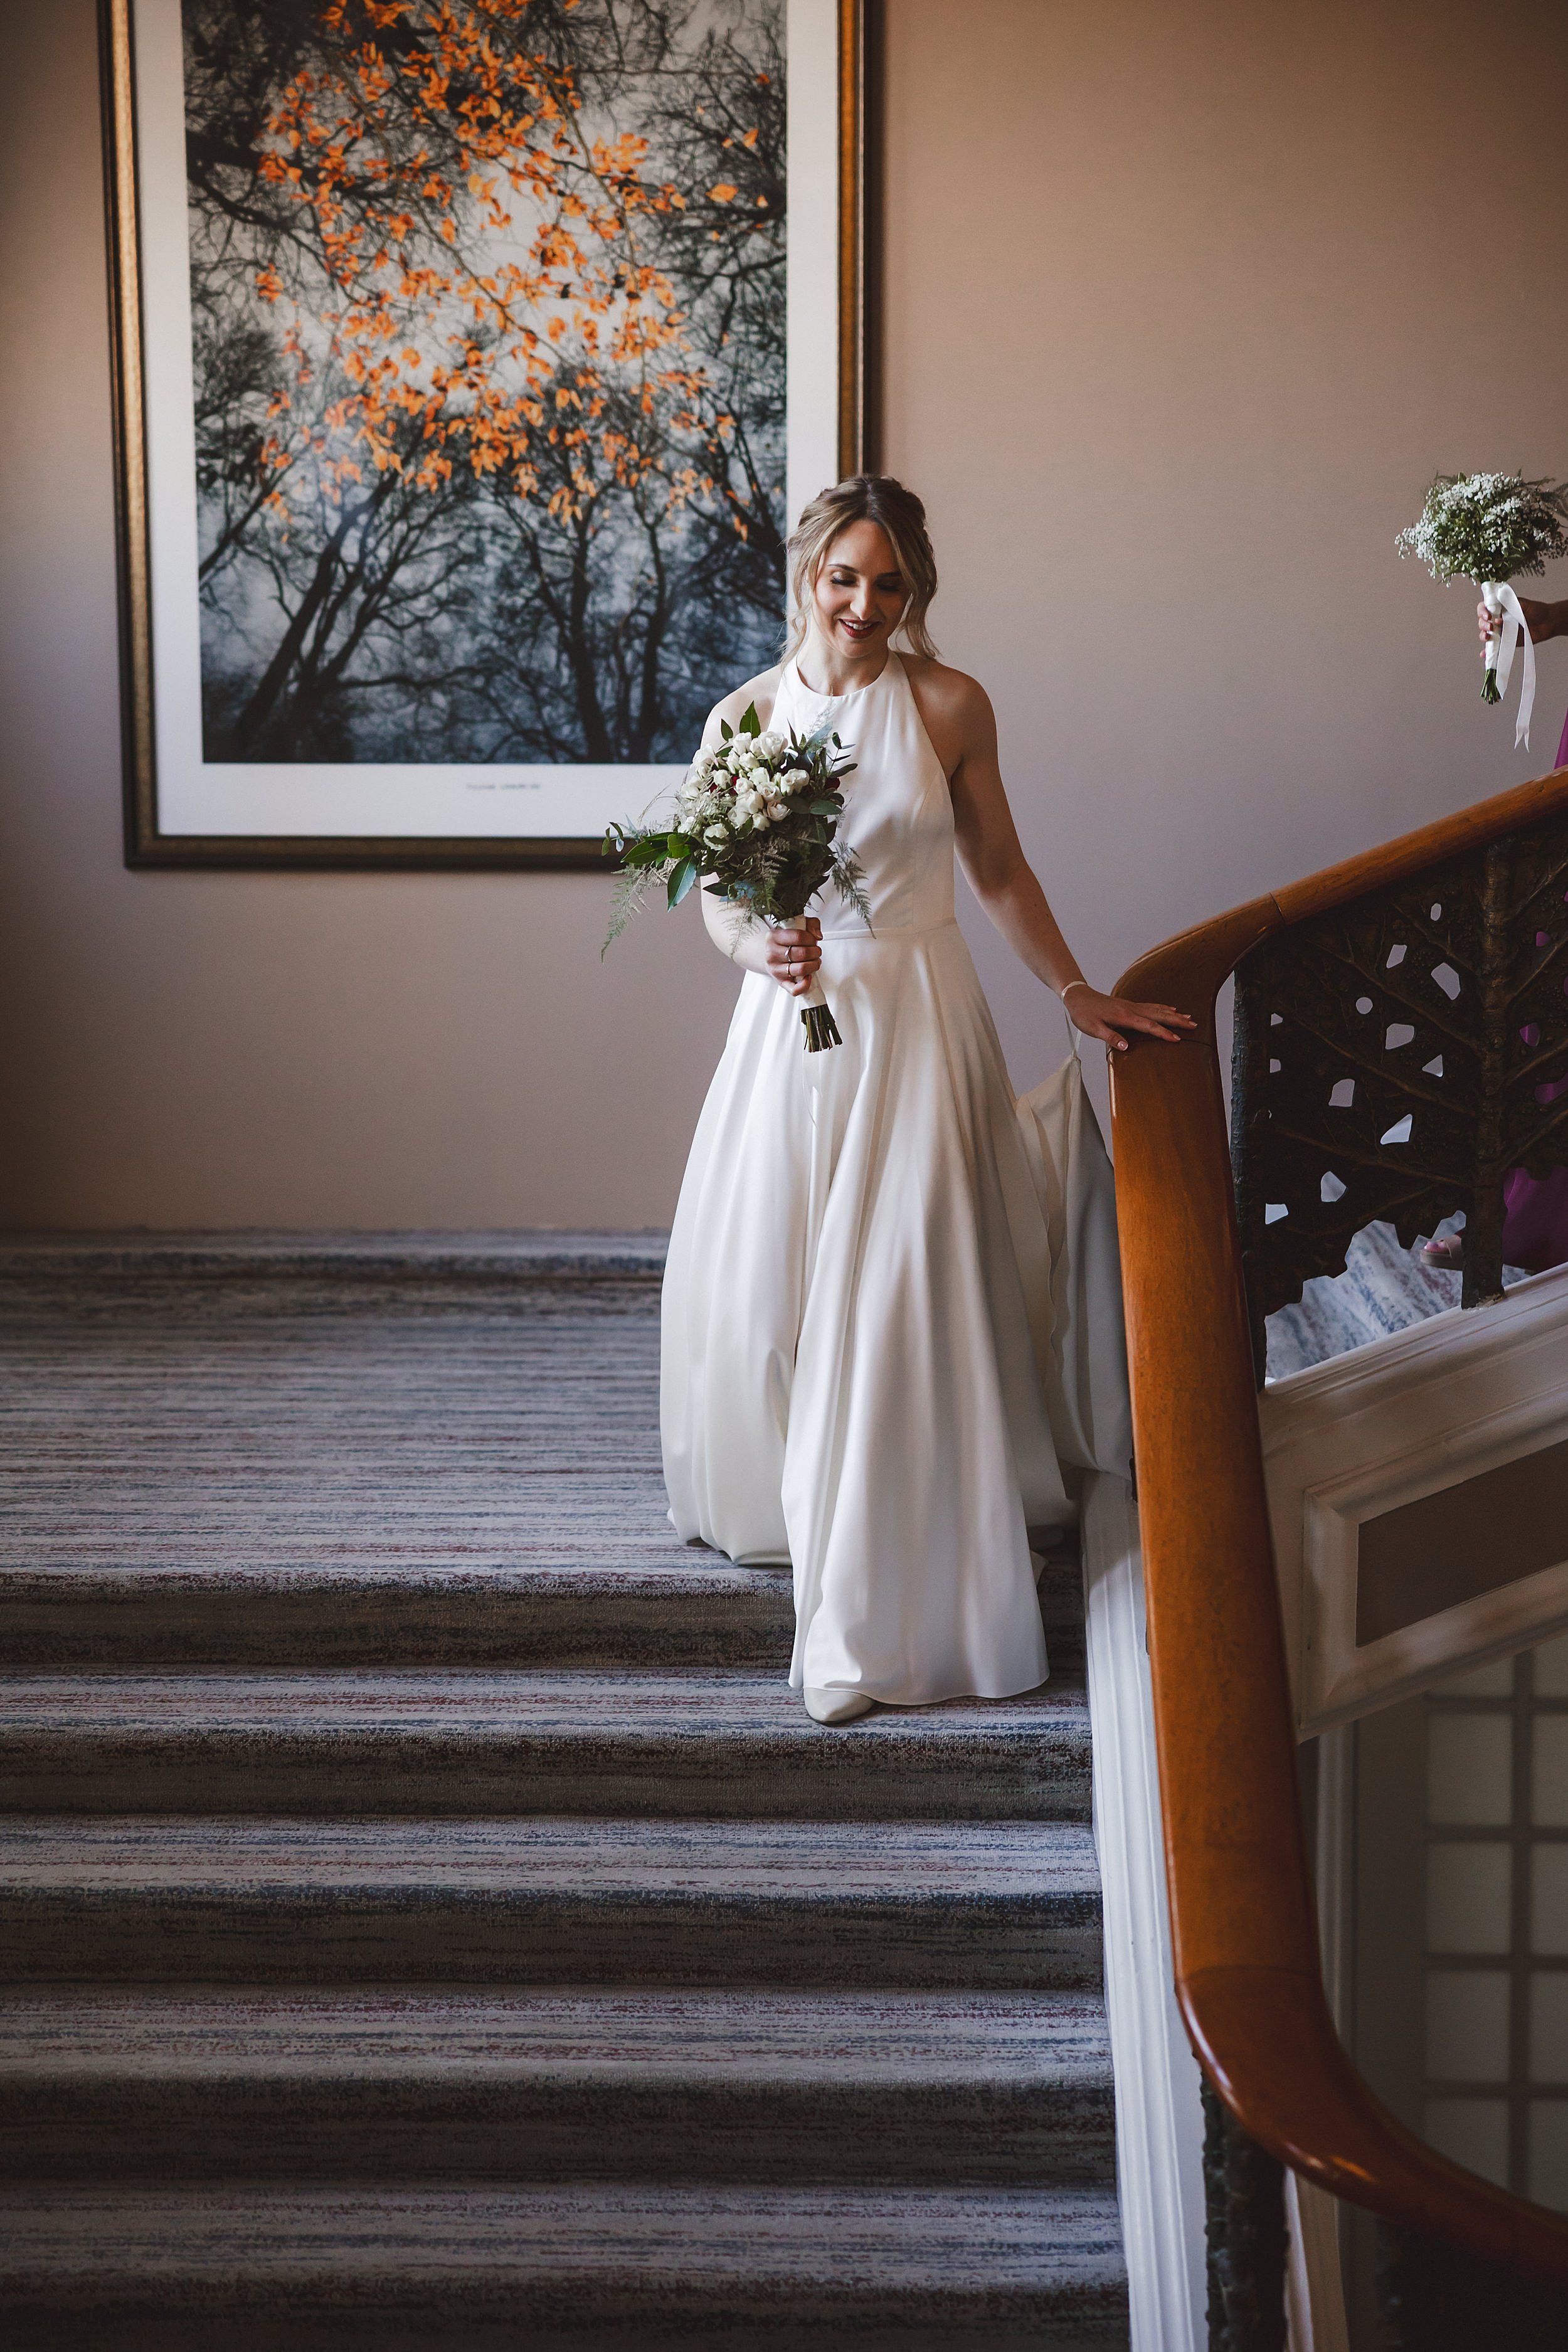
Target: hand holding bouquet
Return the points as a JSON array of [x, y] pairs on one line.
[[757, 821], [1491, 529]]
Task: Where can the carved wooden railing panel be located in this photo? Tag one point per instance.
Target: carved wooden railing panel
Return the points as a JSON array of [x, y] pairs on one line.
[[1243, 2195], [1243, 1934], [1395, 1057]]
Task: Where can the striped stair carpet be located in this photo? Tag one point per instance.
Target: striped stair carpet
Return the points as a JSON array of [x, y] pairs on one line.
[[431, 1920]]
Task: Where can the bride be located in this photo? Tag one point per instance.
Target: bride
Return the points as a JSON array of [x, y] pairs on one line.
[[861, 1377]]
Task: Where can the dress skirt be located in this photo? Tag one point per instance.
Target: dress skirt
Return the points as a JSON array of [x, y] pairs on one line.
[[851, 1373]]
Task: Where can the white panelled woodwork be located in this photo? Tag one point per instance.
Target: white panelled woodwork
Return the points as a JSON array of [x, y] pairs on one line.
[[1406, 1417]]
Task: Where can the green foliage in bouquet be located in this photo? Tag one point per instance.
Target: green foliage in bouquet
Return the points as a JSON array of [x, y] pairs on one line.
[[1484, 527], [755, 820]]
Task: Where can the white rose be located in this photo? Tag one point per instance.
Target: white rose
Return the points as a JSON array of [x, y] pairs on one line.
[[770, 745], [778, 811], [795, 779], [717, 835], [761, 820]]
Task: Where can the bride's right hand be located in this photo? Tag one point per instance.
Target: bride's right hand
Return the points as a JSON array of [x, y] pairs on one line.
[[793, 953], [1539, 619]]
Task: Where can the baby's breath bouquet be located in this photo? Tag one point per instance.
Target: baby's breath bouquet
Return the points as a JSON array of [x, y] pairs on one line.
[[756, 822], [1491, 529]]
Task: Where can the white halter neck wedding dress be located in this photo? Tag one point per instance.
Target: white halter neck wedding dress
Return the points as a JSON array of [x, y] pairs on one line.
[[891, 1309]]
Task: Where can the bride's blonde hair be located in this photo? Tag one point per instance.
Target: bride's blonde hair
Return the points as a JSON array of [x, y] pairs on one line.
[[864, 498]]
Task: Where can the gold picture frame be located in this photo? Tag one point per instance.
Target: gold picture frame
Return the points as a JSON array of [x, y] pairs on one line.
[[848, 34]]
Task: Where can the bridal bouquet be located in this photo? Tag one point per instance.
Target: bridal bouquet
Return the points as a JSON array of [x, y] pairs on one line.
[[757, 821], [1491, 529]]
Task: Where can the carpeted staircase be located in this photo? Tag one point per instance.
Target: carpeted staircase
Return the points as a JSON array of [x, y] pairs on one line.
[[430, 1919]]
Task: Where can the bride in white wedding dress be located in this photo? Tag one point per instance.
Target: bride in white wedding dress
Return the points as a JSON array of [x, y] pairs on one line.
[[891, 1311]]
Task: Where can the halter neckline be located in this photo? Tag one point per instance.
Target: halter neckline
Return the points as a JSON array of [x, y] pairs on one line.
[[850, 693]]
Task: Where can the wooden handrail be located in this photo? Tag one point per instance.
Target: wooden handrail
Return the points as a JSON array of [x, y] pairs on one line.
[[1249, 1975]]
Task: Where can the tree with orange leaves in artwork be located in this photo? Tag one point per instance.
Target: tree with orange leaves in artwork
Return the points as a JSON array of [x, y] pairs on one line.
[[488, 298]]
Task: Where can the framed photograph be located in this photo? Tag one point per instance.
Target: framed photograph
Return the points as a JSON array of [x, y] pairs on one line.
[[472, 359]]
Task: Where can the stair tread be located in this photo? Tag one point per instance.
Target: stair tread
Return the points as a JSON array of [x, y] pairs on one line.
[[464, 1743], [599, 1558], [452, 1704], [564, 2083], [644, 1603], [543, 1854], [645, 1606], [331, 1256], [597, 1563], [172, 1522], [908, 2240], [829, 2039], [284, 1415]]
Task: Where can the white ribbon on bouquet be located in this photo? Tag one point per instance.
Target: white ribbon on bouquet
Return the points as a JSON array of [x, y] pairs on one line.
[[1500, 600]]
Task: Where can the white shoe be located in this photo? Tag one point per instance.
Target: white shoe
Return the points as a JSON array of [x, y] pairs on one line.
[[837, 1705]]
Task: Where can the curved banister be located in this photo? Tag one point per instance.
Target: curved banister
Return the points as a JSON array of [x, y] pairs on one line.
[[1248, 1976]]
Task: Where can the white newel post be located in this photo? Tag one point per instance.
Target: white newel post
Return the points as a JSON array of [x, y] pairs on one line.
[[1159, 2113]]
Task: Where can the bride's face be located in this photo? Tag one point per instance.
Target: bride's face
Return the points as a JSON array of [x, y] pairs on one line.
[[859, 596]]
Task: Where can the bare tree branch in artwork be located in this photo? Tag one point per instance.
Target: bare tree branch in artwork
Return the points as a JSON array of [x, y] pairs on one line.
[[489, 311]]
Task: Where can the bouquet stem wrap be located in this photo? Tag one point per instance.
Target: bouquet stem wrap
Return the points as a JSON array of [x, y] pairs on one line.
[[817, 1014], [1502, 602]]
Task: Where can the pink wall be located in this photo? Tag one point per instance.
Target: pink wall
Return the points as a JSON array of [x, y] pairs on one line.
[[1189, 299], [1186, 301]]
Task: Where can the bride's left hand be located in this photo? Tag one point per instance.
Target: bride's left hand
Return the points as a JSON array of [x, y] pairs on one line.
[[1105, 1017]]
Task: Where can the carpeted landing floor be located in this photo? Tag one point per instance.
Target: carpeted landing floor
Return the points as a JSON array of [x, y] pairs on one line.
[[430, 1918]]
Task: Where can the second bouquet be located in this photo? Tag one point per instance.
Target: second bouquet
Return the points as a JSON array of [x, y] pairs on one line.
[[1493, 528], [756, 822]]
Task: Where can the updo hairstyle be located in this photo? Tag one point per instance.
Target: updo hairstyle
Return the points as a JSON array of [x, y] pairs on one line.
[[864, 498]]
